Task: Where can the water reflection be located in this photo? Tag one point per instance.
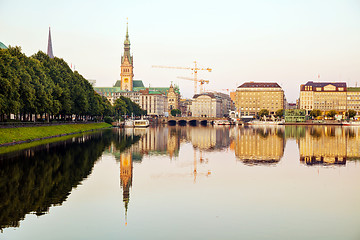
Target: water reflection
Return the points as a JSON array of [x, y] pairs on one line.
[[329, 145], [259, 145], [33, 180]]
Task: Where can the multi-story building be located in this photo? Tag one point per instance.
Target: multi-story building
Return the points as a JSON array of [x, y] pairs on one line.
[[211, 105], [205, 105], [113, 93], [134, 89], [251, 97], [353, 99], [173, 99], [154, 102], [185, 107], [324, 96]]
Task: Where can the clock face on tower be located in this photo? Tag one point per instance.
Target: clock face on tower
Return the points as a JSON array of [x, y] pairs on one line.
[[126, 80]]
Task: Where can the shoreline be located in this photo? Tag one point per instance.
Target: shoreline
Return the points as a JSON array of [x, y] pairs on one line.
[[35, 133]]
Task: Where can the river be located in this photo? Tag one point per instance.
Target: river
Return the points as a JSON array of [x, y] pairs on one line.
[[290, 182]]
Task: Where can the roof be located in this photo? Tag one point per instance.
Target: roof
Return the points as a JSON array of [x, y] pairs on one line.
[[353, 89], [3, 46], [212, 95], [323, 84], [108, 89], [138, 83], [259, 85]]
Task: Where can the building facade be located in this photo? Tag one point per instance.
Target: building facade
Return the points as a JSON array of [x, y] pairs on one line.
[[173, 99], [251, 97], [353, 99], [154, 102], [324, 96], [206, 105]]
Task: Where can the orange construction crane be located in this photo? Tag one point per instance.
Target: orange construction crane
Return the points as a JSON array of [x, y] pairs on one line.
[[201, 81], [195, 70]]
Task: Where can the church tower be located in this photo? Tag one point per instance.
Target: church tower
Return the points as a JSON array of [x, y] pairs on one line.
[[127, 74], [49, 49]]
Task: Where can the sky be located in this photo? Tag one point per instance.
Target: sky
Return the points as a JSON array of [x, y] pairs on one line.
[[288, 42]]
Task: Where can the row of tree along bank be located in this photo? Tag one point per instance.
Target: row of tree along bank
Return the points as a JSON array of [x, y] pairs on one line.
[[42, 88]]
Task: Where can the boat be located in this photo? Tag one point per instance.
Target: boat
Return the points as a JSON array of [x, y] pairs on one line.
[[141, 123], [351, 123], [221, 122], [258, 122], [138, 123]]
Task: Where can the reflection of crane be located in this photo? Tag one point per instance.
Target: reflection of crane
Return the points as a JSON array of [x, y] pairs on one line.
[[195, 69], [195, 165], [201, 81]]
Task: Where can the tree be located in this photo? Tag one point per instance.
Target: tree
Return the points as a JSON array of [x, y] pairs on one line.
[[120, 107], [263, 112], [331, 113], [315, 113], [279, 113], [175, 112], [351, 113]]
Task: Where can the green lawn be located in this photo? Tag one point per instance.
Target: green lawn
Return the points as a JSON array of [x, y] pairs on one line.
[[8, 135]]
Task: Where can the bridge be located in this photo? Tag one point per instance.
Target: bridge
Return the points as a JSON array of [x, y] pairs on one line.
[[192, 121]]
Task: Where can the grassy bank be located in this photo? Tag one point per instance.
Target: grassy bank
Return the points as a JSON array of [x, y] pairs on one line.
[[9, 135]]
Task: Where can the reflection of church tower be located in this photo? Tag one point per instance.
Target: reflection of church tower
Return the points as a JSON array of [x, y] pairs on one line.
[[127, 66], [126, 178]]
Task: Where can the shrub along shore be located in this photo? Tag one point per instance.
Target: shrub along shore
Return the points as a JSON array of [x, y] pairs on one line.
[[10, 136]]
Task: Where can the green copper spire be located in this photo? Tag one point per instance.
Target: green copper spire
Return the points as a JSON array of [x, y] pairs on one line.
[[127, 46]]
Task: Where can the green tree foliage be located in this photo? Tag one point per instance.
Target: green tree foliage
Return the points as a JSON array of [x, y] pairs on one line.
[[45, 87], [263, 112], [175, 112], [124, 106], [351, 113], [315, 113], [279, 113], [331, 113]]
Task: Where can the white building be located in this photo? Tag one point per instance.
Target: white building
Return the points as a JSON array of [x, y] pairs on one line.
[[212, 104], [154, 102]]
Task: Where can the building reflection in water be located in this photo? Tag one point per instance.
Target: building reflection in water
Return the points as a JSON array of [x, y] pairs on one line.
[[329, 145], [126, 170], [259, 145]]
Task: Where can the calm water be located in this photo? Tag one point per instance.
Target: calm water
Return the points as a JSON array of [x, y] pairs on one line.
[[186, 183]]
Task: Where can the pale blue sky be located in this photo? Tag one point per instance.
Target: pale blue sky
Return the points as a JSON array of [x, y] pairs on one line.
[[283, 41]]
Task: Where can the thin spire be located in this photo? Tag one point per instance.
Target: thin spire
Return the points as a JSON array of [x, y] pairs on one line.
[[49, 49], [127, 28]]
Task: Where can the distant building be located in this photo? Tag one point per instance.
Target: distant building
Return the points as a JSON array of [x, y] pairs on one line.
[[49, 48], [92, 82], [185, 107], [173, 99], [353, 99], [251, 97], [154, 102], [150, 99], [211, 104], [291, 106], [324, 96]]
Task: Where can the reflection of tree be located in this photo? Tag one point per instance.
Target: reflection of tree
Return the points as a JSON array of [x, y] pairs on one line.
[[38, 179], [316, 133]]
